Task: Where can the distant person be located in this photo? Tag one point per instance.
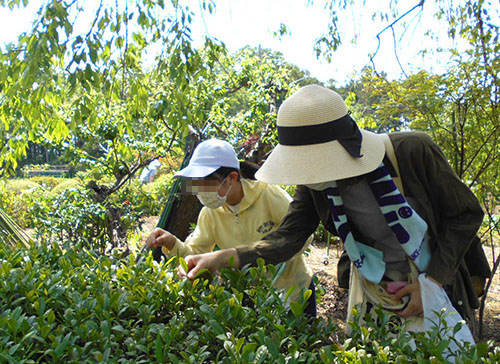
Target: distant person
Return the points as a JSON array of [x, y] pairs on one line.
[[237, 211], [149, 172], [405, 218]]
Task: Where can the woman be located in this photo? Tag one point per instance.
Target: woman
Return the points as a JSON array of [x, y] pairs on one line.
[[237, 211]]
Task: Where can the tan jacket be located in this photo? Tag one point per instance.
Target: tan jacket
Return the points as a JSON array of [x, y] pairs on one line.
[[260, 211]]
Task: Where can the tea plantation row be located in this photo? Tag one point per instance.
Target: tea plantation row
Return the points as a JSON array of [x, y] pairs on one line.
[[76, 306]]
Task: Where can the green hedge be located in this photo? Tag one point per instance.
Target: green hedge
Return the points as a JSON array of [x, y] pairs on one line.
[[76, 306], [17, 201], [23, 185], [64, 185]]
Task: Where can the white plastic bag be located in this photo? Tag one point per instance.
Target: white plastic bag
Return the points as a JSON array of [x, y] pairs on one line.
[[434, 299]]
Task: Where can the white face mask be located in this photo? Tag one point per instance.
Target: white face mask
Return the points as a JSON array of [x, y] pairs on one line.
[[211, 199], [321, 186]]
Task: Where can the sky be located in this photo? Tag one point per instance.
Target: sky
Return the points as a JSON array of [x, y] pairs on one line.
[[252, 22], [241, 22]]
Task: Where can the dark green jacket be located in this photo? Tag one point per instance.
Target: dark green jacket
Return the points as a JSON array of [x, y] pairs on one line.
[[451, 210]]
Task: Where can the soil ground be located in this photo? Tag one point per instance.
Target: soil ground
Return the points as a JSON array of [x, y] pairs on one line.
[[323, 262]]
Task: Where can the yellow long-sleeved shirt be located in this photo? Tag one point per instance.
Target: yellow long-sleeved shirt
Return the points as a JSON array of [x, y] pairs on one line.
[[260, 211]]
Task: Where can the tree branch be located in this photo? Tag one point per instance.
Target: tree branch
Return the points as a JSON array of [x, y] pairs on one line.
[[420, 4]]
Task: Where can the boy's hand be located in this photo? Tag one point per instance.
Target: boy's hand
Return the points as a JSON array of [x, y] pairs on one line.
[[160, 237]]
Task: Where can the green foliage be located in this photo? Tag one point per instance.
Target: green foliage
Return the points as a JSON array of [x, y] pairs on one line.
[[11, 233], [23, 185], [382, 341], [259, 80], [16, 199], [48, 182], [75, 215], [81, 307], [149, 199], [64, 185]]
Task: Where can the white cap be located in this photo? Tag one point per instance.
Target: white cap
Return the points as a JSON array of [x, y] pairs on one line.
[[208, 157]]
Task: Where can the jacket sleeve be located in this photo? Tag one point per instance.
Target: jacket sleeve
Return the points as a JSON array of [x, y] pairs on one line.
[[280, 245], [200, 241], [458, 213]]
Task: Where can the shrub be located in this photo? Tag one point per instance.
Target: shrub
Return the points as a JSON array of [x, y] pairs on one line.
[[23, 185], [82, 307], [64, 185], [381, 341], [159, 191], [77, 306], [17, 203], [146, 199], [48, 182], [73, 215]]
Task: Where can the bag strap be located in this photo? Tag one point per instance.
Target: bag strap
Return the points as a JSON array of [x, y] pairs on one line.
[[389, 150]]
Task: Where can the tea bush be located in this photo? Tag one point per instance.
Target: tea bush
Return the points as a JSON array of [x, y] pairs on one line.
[[23, 185], [150, 198], [77, 306], [382, 341], [48, 182], [73, 215], [70, 212], [64, 185], [80, 307], [16, 202]]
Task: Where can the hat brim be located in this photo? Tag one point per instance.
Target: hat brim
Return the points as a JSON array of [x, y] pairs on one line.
[[195, 172], [306, 164]]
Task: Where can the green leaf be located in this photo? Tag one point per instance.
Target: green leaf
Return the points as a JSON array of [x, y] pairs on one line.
[[458, 327], [272, 346], [216, 327], [183, 264], [482, 349], [248, 349], [159, 349], [51, 317], [296, 308]]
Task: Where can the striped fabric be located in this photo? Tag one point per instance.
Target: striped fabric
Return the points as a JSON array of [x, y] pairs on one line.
[[408, 227]]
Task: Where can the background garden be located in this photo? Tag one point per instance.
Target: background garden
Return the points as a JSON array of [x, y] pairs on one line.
[[81, 115]]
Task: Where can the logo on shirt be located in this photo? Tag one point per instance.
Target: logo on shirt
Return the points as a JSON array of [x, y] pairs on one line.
[[266, 227], [405, 212]]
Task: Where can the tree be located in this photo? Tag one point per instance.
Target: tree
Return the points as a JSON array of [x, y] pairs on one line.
[[92, 97], [260, 80], [460, 110]]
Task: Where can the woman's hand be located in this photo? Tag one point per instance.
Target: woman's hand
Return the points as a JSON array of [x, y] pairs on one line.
[[160, 237], [211, 261], [414, 306]]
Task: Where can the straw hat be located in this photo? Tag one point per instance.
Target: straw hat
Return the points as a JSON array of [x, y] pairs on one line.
[[319, 142]]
